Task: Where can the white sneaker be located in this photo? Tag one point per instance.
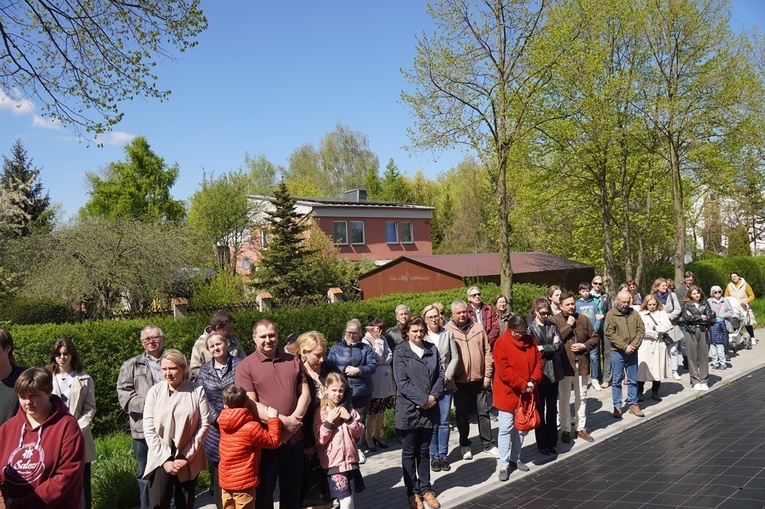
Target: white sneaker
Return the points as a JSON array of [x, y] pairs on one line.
[[676, 375], [493, 452], [596, 385], [697, 387], [754, 341], [704, 387], [467, 454], [362, 458]]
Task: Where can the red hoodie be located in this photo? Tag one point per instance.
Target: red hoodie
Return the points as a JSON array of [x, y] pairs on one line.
[[43, 467]]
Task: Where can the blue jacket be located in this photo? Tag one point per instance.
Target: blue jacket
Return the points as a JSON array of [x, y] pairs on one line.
[[359, 355], [416, 379], [213, 385]]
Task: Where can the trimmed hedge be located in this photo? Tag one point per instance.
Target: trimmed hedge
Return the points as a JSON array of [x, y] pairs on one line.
[[105, 345], [716, 271]]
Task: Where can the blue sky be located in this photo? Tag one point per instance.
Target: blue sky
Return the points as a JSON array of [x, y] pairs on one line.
[[265, 78]]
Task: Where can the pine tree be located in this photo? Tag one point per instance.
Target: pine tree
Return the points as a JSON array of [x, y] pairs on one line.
[[19, 182], [283, 259]]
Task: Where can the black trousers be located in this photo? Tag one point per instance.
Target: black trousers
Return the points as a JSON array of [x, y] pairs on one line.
[[415, 455], [547, 406], [284, 464], [163, 487]]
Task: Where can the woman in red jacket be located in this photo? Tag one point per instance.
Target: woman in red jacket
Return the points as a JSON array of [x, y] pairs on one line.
[[517, 370]]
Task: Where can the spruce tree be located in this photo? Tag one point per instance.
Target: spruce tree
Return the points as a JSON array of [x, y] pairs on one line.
[[20, 177], [283, 260]]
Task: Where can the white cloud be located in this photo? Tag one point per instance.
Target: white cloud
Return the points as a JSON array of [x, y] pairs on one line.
[[46, 123], [114, 138], [21, 107]]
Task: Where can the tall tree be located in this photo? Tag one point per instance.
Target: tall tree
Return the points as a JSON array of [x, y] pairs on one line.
[[280, 268], [261, 174], [221, 217], [20, 177], [691, 100], [80, 59], [473, 84], [137, 188], [395, 187]]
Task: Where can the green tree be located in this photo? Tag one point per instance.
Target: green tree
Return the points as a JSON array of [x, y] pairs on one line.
[[473, 82], [103, 262], [220, 216], [280, 269], [137, 188], [80, 59], [261, 174], [21, 177], [395, 187], [738, 241]]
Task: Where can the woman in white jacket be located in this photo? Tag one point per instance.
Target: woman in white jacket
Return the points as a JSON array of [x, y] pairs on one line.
[[77, 391], [672, 308], [653, 358]]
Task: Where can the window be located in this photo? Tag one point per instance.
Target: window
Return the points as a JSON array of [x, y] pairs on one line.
[[357, 232], [340, 232], [391, 232], [407, 234], [263, 237]]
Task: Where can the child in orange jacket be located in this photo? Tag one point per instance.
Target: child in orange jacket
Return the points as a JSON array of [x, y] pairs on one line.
[[241, 439]]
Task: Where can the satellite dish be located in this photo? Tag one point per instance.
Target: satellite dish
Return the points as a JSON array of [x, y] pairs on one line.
[[246, 263]]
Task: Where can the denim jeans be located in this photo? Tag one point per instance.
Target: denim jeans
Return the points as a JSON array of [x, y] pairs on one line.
[[509, 440], [674, 351], [439, 443], [717, 352], [595, 363], [141, 451], [619, 362]]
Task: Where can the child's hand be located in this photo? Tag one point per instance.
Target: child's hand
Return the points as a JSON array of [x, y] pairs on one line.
[[333, 414], [272, 413], [344, 413]]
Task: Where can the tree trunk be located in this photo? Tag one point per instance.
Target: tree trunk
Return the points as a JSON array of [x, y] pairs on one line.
[[677, 206], [503, 211]]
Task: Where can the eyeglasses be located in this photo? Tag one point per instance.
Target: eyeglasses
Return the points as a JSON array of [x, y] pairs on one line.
[[597, 283], [436, 317], [475, 294], [152, 339], [717, 291], [351, 333], [543, 313]]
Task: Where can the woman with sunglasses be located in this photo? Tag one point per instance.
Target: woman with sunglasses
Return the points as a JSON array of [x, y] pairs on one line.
[[550, 346]]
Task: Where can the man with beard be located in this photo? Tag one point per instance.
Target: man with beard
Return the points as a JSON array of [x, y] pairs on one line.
[[625, 330], [579, 337]]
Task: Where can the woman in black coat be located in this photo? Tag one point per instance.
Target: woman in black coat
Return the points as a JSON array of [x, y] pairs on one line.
[[697, 316], [419, 379], [550, 346]]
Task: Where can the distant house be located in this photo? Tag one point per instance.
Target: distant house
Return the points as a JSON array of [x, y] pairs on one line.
[[415, 273], [380, 231]]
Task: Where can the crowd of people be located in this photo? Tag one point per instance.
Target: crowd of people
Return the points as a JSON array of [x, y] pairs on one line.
[[273, 417]]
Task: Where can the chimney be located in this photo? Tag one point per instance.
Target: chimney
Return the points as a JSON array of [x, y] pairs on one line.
[[357, 195]]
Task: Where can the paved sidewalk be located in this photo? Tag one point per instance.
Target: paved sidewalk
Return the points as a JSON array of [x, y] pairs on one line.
[[470, 479]]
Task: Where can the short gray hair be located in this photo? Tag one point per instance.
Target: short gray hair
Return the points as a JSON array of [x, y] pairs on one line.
[[472, 288], [459, 303], [402, 307], [355, 323], [151, 327]]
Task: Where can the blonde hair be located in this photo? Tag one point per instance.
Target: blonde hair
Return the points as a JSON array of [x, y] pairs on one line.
[[332, 378], [307, 341], [176, 357]]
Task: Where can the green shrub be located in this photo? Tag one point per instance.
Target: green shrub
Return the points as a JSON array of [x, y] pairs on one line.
[[105, 345], [113, 474], [25, 311], [222, 287]]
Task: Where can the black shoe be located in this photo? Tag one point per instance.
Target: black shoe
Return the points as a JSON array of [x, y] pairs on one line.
[[655, 396], [380, 443], [435, 465], [445, 467], [565, 437], [553, 451], [546, 452]]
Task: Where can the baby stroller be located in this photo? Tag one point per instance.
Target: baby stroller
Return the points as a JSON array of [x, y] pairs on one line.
[[736, 324]]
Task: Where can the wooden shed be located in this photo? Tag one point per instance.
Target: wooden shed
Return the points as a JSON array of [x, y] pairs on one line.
[[430, 273]]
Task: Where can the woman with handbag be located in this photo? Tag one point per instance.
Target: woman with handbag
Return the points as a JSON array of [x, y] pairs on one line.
[[517, 373], [653, 356]]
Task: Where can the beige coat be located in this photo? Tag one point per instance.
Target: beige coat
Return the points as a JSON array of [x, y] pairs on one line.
[[182, 418], [82, 405], [653, 357]]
